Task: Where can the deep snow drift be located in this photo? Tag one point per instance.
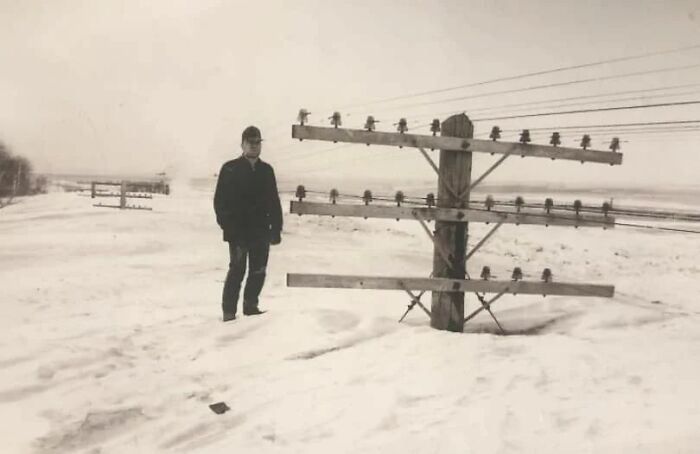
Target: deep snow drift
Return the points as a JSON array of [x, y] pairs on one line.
[[112, 340]]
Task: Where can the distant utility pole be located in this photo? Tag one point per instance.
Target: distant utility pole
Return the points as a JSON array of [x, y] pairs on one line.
[[123, 195], [452, 213]]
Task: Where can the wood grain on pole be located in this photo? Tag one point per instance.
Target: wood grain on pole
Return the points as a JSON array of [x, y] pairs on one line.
[[447, 311]]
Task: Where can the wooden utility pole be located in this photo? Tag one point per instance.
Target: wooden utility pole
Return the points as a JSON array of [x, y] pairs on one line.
[[447, 311], [450, 281], [122, 195]]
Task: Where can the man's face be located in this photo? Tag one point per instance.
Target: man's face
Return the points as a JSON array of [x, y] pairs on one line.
[[251, 148]]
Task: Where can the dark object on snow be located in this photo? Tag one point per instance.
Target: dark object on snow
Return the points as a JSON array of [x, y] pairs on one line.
[[219, 408]]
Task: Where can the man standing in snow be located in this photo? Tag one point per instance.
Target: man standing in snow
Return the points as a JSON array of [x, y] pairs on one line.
[[249, 212]]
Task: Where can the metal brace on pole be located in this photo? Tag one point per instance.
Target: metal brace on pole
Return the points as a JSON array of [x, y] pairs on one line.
[[449, 264], [490, 169], [483, 240], [437, 171], [415, 300], [486, 306], [445, 257]]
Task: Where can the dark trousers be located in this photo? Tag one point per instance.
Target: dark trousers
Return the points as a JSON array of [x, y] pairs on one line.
[[256, 253]]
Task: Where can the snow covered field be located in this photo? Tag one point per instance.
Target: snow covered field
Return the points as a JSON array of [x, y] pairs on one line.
[[112, 341]]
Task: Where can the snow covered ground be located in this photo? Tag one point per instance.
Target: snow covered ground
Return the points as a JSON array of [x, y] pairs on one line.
[[112, 341]]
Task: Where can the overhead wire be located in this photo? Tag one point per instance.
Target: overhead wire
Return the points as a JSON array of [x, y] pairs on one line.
[[525, 75], [588, 103], [543, 86], [599, 109], [608, 133], [622, 134], [314, 153], [616, 131], [568, 98], [609, 125]]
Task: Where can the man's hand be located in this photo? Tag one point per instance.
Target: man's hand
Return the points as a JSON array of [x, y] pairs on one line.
[[275, 238]]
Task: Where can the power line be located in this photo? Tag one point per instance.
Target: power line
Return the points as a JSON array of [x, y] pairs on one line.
[[524, 75], [608, 125], [601, 109], [570, 98], [526, 107], [549, 85], [623, 134], [598, 133], [623, 131]]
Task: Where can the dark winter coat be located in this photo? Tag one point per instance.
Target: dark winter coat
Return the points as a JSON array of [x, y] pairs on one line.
[[246, 201]]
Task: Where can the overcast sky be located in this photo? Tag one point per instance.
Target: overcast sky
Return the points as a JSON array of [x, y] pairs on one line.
[[140, 87]]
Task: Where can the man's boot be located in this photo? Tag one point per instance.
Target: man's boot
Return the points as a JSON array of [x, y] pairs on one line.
[[228, 316], [250, 308]]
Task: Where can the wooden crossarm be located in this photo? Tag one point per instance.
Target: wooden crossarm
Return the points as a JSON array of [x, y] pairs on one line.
[[448, 285], [452, 214], [453, 143]]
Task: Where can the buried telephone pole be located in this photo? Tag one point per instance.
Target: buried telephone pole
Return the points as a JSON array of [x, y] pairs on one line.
[[447, 312], [449, 280]]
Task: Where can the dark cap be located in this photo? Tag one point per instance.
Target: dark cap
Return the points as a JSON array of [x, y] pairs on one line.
[[251, 134]]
